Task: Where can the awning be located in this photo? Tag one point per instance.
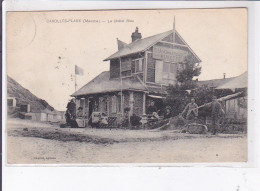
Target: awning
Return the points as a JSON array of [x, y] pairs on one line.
[[156, 97]]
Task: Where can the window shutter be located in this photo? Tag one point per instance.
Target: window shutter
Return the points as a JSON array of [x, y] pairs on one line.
[[133, 66], [159, 71], [114, 102]]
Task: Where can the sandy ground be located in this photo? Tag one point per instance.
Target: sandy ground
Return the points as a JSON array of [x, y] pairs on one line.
[[40, 143]]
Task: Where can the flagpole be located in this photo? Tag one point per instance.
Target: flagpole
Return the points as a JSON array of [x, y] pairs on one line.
[[121, 84], [75, 83], [75, 79], [174, 30]]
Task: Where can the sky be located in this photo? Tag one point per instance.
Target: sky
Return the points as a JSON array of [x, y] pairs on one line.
[[44, 47]]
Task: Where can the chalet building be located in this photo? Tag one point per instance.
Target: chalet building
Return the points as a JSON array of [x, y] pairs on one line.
[[139, 72]]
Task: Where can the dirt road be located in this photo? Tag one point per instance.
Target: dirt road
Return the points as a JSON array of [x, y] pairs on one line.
[[37, 143]]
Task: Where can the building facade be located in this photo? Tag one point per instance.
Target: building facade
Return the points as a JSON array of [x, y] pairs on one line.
[[139, 72]]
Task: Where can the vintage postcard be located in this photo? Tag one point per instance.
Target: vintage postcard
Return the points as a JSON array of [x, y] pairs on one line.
[[127, 86]]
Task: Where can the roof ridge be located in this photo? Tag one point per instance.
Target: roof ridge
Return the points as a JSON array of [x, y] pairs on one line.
[[188, 46], [218, 79], [132, 44], [149, 37]]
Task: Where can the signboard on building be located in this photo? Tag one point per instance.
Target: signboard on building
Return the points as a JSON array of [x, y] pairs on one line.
[[169, 54]]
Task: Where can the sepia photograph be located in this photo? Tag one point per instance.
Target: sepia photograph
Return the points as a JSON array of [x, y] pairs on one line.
[[127, 86]]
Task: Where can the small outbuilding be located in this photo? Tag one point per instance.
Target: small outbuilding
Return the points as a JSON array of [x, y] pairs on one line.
[[236, 107]]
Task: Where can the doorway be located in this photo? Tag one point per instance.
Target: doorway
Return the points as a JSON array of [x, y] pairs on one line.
[[91, 105]]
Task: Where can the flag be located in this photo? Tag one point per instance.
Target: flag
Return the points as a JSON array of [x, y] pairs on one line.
[[79, 71]]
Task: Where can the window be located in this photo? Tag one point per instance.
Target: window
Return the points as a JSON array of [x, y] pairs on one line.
[[82, 102], [166, 70], [139, 65], [107, 105], [169, 71], [95, 105], [172, 69], [114, 102], [166, 67], [102, 104]]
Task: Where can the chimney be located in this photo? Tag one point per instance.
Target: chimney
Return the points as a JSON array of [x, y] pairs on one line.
[[136, 35], [224, 75]]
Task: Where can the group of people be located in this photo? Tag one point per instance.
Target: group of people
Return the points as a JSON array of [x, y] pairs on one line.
[[190, 112], [217, 111], [215, 107]]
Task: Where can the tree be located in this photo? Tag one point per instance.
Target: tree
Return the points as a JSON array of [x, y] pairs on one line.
[[178, 97], [190, 70]]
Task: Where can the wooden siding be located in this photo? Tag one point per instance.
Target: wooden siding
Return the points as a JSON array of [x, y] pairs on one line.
[[169, 38], [114, 68], [150, 68], [138, 103], [174, 46], [126, 64], [133, 66], [178, 40]]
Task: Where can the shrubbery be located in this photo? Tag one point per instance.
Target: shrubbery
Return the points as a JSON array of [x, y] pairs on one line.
[[186, 88]]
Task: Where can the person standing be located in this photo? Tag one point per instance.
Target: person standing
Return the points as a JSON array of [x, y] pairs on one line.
[[191, 109], [216, 112], [152, 108], [68, 117], [71, 106]]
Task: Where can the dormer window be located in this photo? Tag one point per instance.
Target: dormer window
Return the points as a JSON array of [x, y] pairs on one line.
[[126, 67]]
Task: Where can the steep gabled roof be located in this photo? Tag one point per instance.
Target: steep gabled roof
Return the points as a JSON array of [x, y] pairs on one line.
[[141, 45], [103, 84]]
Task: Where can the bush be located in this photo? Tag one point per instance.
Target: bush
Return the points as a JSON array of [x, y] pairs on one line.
[[178, 98], [185, 88]]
